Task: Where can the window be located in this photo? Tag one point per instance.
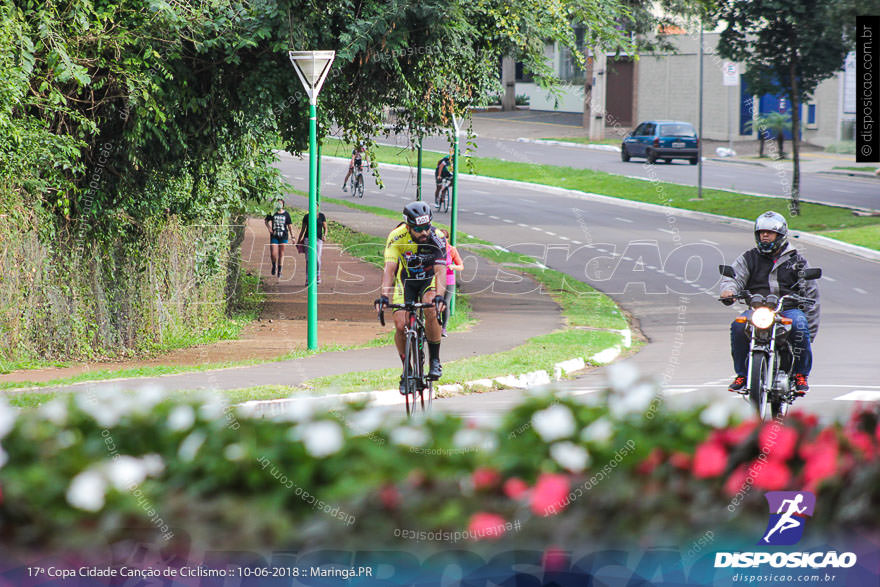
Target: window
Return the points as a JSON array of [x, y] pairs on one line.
[[649, 129], [811, 115], [569, 70], [677, 130]]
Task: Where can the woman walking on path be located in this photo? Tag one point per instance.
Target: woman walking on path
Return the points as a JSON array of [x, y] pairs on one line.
[[319, 245], [453, 264], [278, 225]]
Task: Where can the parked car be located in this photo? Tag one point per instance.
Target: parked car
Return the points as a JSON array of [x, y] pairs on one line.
[[661, 139]]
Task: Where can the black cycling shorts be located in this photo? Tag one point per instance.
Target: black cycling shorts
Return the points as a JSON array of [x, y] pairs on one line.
[[412, 290]]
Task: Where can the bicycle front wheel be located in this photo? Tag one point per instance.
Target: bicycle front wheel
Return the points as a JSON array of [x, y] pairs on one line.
[[359, 186], [444, 201], [411, 372]]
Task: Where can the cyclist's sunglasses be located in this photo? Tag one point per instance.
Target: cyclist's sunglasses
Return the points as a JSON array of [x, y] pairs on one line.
[[420, 228]]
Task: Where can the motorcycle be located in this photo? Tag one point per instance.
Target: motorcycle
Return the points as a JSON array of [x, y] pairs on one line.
[[770, 374]]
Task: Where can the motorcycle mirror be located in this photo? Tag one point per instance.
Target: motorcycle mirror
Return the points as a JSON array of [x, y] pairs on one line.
[[812, 273], [726, 271]]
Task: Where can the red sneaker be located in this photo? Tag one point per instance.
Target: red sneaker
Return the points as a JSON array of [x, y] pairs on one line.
[[738, 384], [800, 384]]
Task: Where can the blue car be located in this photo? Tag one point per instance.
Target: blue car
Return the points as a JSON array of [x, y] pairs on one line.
[[661, 139]]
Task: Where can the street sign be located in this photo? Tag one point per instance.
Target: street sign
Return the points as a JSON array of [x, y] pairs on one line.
[[730, 73]]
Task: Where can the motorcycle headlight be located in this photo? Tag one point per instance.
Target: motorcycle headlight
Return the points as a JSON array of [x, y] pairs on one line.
[[763, 317]]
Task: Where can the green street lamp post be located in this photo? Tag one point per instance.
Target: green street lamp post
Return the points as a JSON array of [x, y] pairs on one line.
[[312, 68]]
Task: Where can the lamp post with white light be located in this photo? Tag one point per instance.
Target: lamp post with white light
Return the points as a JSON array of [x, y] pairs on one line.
[[312, 68]]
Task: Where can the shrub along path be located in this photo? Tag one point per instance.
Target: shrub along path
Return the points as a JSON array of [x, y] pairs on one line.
[[346, 291]]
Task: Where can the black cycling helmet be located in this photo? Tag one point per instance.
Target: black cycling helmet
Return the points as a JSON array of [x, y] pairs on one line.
[[417, 214], [774, 223]]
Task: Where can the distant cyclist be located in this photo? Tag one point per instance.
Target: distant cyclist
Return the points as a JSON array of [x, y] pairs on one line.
[[415, 270], [358, 154], [443, 171]]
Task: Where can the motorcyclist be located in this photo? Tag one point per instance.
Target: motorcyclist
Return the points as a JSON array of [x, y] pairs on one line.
[[772, 267]]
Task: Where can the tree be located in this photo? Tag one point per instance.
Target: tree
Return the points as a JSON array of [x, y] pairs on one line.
[[772, 122], [789, 47]]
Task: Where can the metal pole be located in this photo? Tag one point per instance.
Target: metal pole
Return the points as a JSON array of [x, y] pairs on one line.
[[419, 171], [453, 223], [730, 118], [318, 187], [313, 229], [700, 123]]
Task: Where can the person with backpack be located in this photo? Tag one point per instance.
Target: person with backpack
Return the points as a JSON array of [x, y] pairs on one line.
[[278, 224]]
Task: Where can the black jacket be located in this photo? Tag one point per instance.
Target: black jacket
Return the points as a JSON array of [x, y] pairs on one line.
[[777, 275]]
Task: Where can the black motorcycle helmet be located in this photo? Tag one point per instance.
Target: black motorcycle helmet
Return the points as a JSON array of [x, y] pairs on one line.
[[775, 223], [417, 214]]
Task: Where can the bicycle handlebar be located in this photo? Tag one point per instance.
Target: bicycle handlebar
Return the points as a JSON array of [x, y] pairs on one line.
[[409, 306]]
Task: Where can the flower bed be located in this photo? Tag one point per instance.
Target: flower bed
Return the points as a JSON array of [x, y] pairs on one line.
[[88, 470]]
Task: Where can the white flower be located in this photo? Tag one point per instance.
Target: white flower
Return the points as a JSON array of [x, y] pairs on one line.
[[570, 456], [367, 420], [409, 436], [621, 376], [146, 398], [717, 415], [86, 491], [234, 452], [66, 438], [322, 438], [214, 408], [553, 423], [181, 418], [7, 417], [153, 463], [634, 401], [470, 438], [104, 406], [125, 471], [55, 411], [190, 446], [599, 431], [4, 457]]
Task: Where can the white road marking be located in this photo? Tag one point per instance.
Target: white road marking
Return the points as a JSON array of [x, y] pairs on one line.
[[623, 219], [480, 213], [860, 395], [565, 238], [826, 278], [840, 191], [549, 233], [707, 241], [628, 259], [538, 229], [666, 230], [494, 218], [653, 267], [576, 242], [521, 225], [602, 250], [859, 290], [299, 177], [507, 220], [479, 192]]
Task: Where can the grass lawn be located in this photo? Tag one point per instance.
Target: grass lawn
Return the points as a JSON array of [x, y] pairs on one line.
[[855, 168], [813, 217]]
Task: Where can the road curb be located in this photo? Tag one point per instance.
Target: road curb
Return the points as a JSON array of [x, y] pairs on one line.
[[611, 148], [851, 173], [386, 397]]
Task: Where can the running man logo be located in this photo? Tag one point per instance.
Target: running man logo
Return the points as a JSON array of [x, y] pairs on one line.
[[788, 512]]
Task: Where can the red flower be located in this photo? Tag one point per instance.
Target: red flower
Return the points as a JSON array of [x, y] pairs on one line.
[[862, 441], [390, 497], [736, 480], [709, 460], [808, 420], [486, 526], [877, 432], [772, 475], [549, 495], [777, 441], [739, 434], [515, 488], [485, 478], [650, 463], [821, 464], [555, 560], [681, 460]]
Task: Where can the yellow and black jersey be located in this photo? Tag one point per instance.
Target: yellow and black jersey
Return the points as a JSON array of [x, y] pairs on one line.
[[414, 260]]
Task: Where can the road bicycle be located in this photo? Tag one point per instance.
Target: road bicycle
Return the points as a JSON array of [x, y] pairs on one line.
[[445, 195], [357, 182], [419, 388]]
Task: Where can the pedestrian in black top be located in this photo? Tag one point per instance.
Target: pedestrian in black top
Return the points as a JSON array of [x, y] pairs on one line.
[[319, 244], [278, 225]]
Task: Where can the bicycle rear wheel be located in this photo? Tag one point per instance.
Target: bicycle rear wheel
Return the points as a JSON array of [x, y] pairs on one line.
[[444, 200], [410, 372], [359, 186], [426, 386]]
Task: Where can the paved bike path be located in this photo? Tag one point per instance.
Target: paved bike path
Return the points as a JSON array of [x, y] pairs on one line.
[[509, 308]]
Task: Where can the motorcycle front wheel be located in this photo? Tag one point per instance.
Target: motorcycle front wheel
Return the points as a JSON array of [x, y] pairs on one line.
[[758, 379]]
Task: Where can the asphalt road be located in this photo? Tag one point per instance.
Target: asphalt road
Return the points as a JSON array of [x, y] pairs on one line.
[[756, 179], [662, 268]]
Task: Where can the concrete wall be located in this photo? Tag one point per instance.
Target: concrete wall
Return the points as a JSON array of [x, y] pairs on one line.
[[827, 99], [571, 99]]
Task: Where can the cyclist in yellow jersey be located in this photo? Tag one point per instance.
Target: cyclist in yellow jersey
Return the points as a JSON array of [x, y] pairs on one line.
[[415, 269]]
